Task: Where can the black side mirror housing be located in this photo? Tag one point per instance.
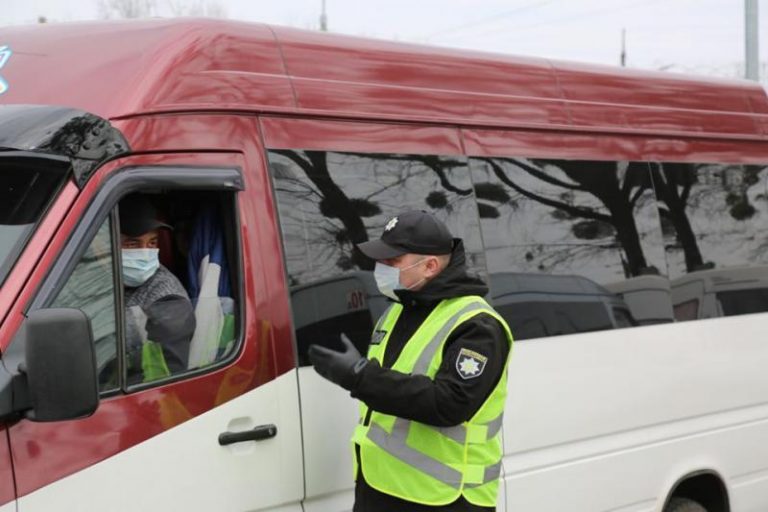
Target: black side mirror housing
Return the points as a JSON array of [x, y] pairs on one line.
[[60, 365]]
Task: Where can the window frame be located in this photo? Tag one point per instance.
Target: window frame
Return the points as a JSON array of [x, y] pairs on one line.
[[105, 204]]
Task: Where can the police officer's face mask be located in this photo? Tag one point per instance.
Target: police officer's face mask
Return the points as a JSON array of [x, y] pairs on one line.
[[139, 265], [388, 278]]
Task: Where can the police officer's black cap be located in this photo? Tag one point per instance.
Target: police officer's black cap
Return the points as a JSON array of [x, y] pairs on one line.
[[138, 216], [415, 232]]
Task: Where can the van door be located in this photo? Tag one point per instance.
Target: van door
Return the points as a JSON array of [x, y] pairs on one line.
[[337, 184], [216, 429]]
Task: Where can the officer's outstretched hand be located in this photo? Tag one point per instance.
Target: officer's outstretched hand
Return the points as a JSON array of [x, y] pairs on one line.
[[341, 368]]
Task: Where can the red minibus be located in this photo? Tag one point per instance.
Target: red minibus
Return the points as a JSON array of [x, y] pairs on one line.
[[586, 197]]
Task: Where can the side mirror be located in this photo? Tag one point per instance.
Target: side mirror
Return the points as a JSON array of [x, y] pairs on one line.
[[60, 365]]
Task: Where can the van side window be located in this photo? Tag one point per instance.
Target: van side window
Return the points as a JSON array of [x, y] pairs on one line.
[[91, 289], [713, 219], [178, 288], [574, 247], [329, 201]]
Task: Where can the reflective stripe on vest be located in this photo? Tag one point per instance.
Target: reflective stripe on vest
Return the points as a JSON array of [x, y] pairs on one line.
[[422, 364], [395, 443], [471, 463]]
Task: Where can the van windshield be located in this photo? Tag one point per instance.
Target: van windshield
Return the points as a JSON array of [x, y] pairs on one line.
[[27, 187]]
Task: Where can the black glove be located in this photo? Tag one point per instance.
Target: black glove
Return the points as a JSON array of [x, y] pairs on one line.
[[341, 368]]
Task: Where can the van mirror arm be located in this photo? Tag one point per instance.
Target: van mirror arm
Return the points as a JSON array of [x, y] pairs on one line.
[[14, 395]]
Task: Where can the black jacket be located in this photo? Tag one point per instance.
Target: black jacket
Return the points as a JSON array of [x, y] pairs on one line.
[[449, 399]]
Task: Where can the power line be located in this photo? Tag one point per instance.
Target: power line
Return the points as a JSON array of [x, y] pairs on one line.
[[490, 19], [596, 12], [566, 19]]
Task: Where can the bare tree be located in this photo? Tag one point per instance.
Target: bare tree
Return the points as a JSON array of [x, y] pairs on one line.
[[132, 9], [344, 220], [315, 166], [206, 8], [619, 196], [673, 183], [126, 9], [702, 191]]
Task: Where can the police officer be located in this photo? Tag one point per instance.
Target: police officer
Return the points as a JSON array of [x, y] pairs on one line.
[[433, 386]]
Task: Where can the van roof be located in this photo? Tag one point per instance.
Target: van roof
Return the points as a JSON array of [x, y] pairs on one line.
[[720, 279], [127, 68], [511, 283]]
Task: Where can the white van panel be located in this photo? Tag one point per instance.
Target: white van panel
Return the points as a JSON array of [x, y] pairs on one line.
[[329, 416], [185, 468], [617, 417]]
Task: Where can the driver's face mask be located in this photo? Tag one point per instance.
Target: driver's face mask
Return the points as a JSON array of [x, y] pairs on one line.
[[139, 265]]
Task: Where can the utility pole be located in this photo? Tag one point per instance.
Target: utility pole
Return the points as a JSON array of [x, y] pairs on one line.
[[623, 47], [323, 19], [750, 40]]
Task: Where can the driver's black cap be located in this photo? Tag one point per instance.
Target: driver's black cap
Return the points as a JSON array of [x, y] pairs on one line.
[[138, 216], [415, 232]]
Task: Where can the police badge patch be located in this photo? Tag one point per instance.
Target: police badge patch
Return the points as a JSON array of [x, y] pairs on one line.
[[470, 364]]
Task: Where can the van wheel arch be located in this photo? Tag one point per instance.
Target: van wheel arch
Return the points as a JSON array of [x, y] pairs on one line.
[[705, 487]]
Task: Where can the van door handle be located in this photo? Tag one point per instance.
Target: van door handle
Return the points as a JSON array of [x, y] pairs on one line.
[[257, 434]]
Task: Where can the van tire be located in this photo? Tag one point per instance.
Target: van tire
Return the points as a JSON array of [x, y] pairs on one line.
[[683, 505]]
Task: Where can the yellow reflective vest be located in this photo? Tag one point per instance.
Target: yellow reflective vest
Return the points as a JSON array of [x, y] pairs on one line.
[[423, 463]]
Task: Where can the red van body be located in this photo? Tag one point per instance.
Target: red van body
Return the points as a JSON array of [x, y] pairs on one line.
[[216, 94]]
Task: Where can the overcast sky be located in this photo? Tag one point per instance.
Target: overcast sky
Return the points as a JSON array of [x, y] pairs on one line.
[[692, 36]]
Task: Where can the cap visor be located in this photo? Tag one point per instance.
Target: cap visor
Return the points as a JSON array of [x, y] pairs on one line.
[[378, 250], [159, 225]]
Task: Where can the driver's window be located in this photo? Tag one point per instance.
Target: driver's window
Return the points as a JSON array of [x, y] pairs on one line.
[[178, 282], [91, 289], [178, 286]]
